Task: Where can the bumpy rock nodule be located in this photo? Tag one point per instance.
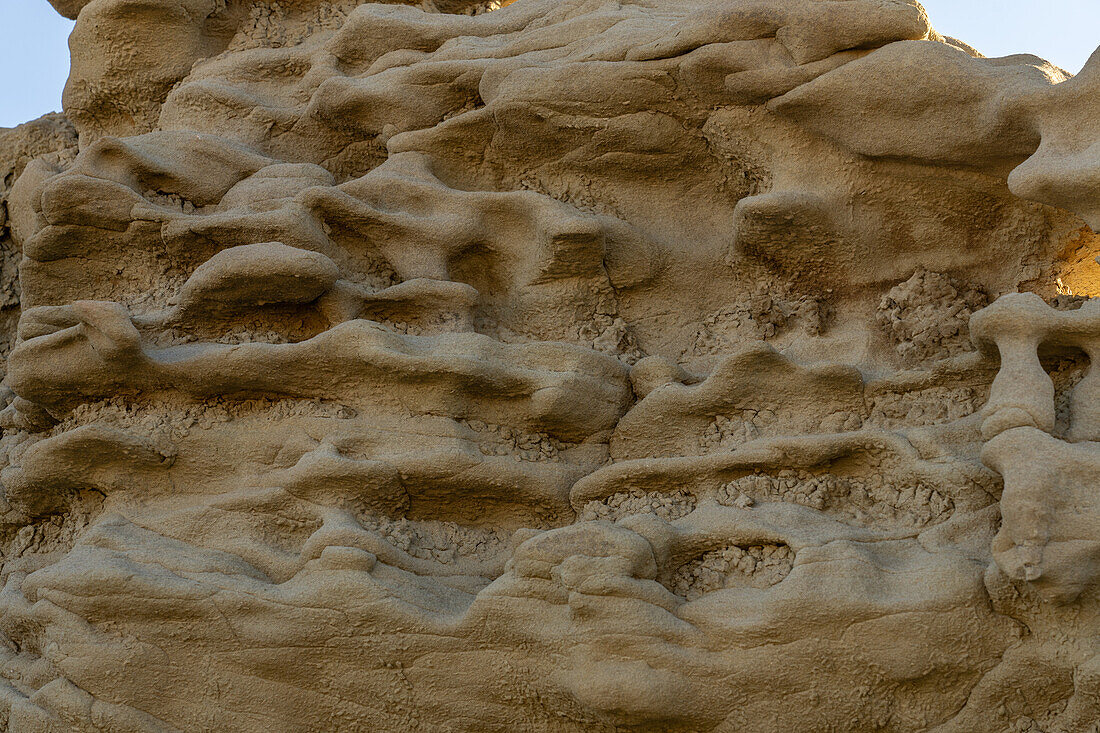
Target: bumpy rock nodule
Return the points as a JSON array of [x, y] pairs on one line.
[[561, 366]]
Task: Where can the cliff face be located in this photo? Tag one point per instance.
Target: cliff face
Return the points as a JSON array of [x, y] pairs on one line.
[[566, 366]]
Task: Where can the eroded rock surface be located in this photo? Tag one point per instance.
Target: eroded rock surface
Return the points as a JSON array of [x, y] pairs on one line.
[[562, 366]]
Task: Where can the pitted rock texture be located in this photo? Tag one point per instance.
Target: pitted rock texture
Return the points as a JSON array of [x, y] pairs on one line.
[[549, 365]]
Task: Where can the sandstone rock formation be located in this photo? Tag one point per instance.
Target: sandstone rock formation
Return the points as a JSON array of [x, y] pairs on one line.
[[573, 365]]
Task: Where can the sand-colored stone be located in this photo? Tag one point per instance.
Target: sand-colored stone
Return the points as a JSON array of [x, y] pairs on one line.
[[553, 365]]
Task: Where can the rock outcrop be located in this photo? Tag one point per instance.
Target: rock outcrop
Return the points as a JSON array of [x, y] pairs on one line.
[[553, 365]]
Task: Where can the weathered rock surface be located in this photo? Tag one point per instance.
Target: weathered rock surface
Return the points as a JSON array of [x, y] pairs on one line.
[[573, 365]]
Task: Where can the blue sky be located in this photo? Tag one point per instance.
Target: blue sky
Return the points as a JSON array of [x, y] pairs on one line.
[[1064, 32], [34, 56], [34, 60]]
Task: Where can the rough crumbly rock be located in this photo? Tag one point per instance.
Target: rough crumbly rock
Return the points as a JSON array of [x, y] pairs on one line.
[[756, 566], [926, 316], [668, 507]]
